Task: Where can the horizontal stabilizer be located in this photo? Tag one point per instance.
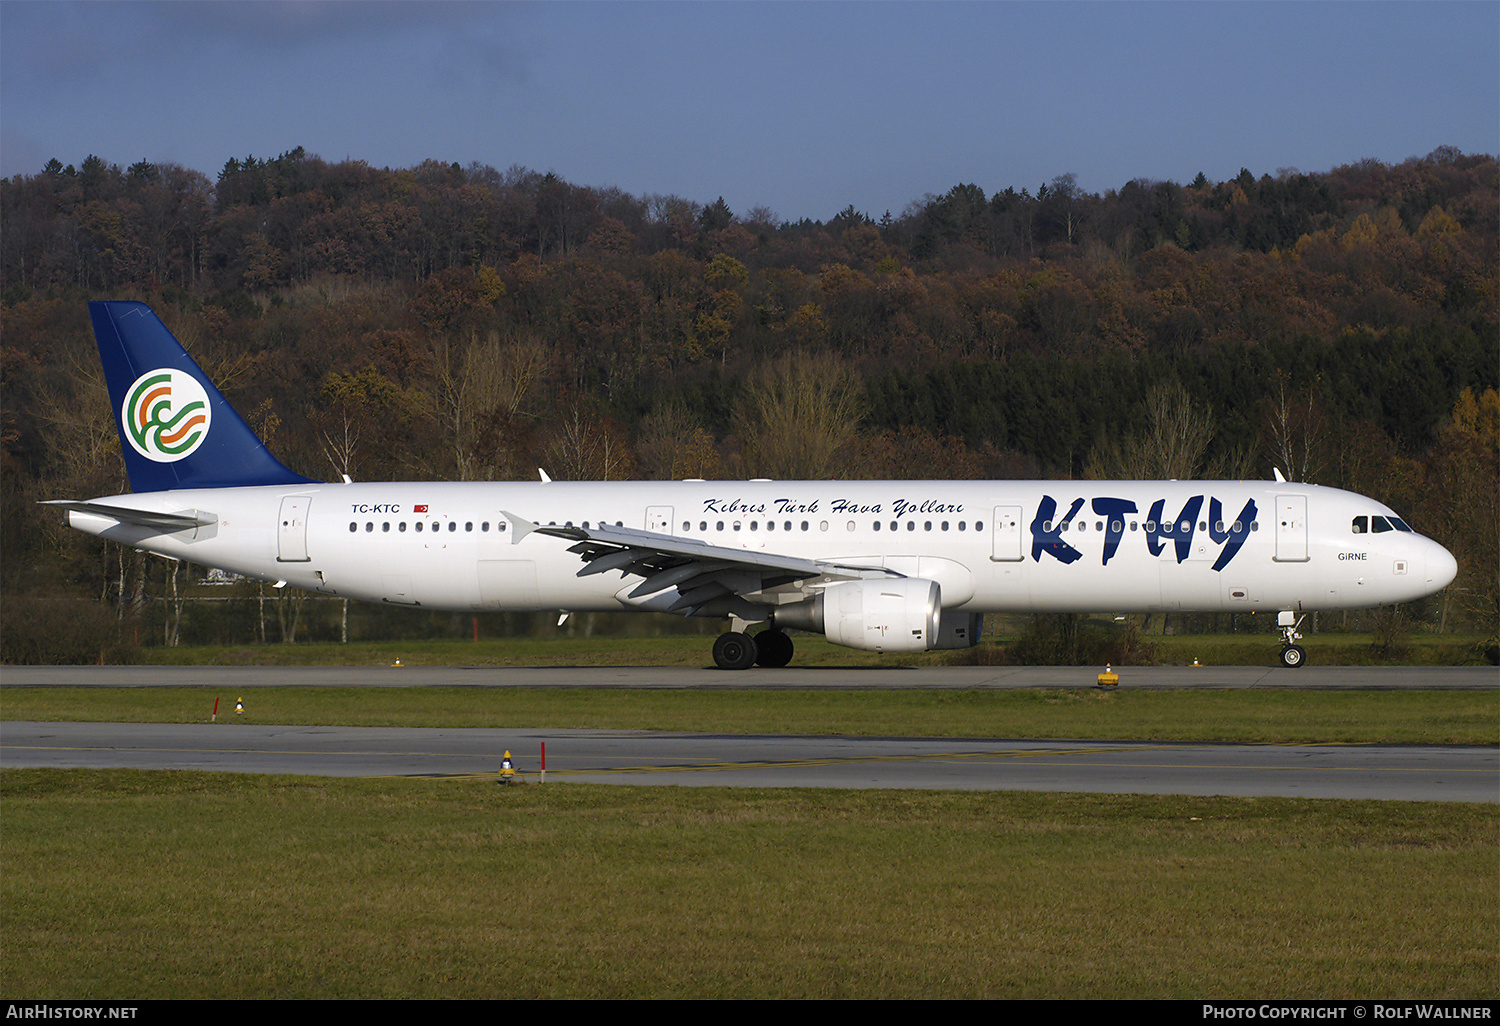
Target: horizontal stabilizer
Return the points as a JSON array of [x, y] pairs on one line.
[[187, 520]]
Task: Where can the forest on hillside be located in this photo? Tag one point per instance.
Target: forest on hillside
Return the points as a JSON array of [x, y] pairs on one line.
[[466, 323]]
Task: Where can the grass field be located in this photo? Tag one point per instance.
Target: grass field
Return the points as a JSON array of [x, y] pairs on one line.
[[134, 885]]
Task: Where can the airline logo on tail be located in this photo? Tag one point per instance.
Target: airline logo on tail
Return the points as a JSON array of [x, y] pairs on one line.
[[166, 415]]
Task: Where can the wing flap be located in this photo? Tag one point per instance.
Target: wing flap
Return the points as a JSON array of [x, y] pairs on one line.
[[700, 572]]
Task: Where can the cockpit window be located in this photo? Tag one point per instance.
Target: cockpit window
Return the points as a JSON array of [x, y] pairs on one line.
[[1378, 524]]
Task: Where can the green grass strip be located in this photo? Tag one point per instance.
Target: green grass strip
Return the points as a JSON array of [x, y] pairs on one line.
[[135, 885], [1237, 715]]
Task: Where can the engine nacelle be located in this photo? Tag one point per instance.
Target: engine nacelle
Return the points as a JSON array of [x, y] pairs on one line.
[[897, 615]]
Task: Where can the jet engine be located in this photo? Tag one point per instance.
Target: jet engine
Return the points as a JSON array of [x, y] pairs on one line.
[[897, 615]]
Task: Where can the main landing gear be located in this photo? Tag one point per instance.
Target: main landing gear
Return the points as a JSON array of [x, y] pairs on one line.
[[739, 651], [1293, 655]]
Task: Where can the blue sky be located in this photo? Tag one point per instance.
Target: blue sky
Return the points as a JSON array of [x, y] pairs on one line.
[[804, 108]]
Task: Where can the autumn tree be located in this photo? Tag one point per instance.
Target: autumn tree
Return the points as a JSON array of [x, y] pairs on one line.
[[911, 454], [724, 276], [673, 445], [1461, 505], [361, 407]]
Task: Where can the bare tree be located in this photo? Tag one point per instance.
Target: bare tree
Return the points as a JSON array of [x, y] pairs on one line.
[[488, 381], [339, 442], [798, 412], [1172, 446], [1297, 433], [586, 445]]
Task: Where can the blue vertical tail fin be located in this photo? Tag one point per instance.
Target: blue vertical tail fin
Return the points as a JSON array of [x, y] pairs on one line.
[[176, 430]]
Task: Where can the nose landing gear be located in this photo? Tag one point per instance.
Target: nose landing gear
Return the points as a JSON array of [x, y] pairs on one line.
[[1293, 655]]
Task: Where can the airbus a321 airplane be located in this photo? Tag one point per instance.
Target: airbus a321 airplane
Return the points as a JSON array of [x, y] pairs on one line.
[[887, 566]]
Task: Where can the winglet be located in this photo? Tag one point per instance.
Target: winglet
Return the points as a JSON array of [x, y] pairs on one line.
[[520, 527]]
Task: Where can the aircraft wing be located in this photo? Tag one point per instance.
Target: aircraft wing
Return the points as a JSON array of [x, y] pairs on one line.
[[700, 572], [187, 520]]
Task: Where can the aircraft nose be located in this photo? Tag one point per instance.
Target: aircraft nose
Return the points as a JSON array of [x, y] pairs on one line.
[[1441, 567]]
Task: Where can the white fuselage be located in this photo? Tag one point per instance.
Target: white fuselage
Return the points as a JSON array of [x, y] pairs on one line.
[[992, 546]]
